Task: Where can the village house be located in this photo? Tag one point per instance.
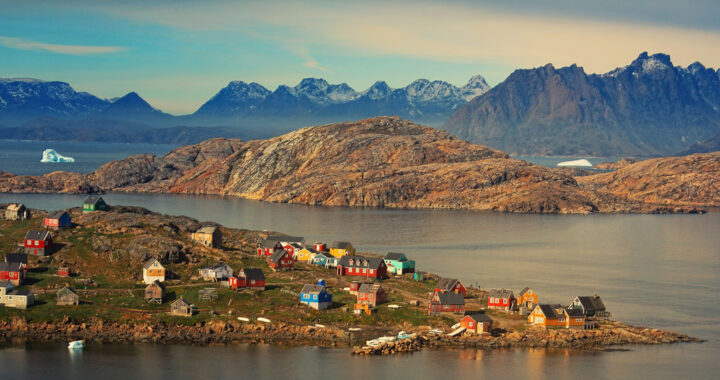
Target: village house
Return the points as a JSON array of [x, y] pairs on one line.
[[293, 249], [17, 211], [371, 294], [305, 254], [397, 263], [591, 306], [209, 236], [57, 220], [527, 298], [155, 292], [19, 299], [67, 296], [287, 240], [320, 246], [316, 296], [94, 203], [354, 286], [501, 299], [20, 258], [477, 323], [268, 247], [556, 316], [450, 285], [446, 302], [325, 259], [341, 248], [181, 308], [153, 270], [252, 278], [370, 267], [12, 272], [64, 272], [219, 271], [38, 243], [281, 261]]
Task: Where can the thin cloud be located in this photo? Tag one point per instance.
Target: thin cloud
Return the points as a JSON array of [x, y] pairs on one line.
[[25, 44], [309, 61]]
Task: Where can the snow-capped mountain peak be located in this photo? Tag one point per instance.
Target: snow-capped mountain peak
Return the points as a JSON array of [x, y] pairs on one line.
[[475, 86], [379, 90]]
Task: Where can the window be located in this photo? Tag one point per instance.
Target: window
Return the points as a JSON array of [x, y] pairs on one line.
[[470, 324]]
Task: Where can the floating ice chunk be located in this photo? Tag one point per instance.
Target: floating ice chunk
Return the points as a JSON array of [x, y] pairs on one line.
[[50, 155], [581, 163]]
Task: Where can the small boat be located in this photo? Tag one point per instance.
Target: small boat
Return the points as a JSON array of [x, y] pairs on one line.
[[455, 326], [243, 319], [263, 320], [354, 329], [393, 306], [457, 332], [75, 345], [319, 326]]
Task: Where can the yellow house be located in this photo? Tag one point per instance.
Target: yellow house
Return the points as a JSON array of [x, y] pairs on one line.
[[305, 254], [153, 270], [341, 248]]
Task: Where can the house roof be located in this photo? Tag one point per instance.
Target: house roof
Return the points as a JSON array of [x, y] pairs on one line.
[[56, 214], [548, 310], [10, 267], [312, 288], [397, 256], [501, 293], [591, 303], [269, 243], [479, 317], [287, 239], [523, 291], [450, 298], [16, 258], [20, 293], [447, 283], [219, 265], [326, 254], [92, 199], [37, 235], [253, 273], [207, 230], [180, 301], [66, 289], [574, 312], [297, 246], [6, 284], [15, 207], [150, 262], [278, 255], [368, 287], [340, 244], [359, 262], [156, 283]]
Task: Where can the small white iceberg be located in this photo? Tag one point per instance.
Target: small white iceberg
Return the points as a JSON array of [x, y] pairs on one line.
[[578, 163], [50, 155], [76, 345]]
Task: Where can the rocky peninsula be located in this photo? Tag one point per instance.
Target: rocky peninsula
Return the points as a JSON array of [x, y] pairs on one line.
[[390, 162]]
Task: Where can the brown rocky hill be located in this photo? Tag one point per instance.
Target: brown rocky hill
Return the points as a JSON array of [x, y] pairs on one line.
[[377, 162], [677, 181]]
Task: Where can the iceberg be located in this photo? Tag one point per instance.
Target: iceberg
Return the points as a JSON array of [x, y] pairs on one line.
[[50, 155], [579, 163]]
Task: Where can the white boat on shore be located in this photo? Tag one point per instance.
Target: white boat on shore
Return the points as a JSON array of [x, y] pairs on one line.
[[76, 345], [582, 163]]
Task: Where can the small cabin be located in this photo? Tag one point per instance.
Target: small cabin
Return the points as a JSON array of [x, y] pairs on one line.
[[94, 203], [251, 278], [591, 306], [501, 299], [398, 264], [155, 292], [316, 296], [354, 286], [57, 220], [341, 248], [219, 271], [281, 261], [209, 236], [446, 302], [64, 272], [527, 298], [305, 254], [181, 308], [38, 243], [556, 316], [19, 299], [17, 211], [325, 259], [153, 270], [450, 285], [67, 296], [268, 247], [371, 294], [12, 272], [477, 323]]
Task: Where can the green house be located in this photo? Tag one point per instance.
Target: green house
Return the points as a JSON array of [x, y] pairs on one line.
[[94, 203], [398, 263]]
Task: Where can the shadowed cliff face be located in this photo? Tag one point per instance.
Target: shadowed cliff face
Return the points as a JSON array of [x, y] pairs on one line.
[[378, 162]]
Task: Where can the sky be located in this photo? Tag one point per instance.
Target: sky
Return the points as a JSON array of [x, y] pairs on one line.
[[178, 54]]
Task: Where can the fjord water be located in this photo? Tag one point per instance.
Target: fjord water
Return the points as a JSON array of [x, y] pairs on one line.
[[661, 271]]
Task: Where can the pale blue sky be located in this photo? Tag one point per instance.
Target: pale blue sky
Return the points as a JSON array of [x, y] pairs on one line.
[[177, 54]]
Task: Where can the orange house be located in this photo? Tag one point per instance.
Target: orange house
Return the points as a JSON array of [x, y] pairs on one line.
[[527, 298], [556, 316]]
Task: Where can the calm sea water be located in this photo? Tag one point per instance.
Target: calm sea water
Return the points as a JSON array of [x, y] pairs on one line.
[[23, 157], [654, 270]]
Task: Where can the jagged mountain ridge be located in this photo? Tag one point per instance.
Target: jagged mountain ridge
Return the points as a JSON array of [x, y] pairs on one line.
[[648, 107]]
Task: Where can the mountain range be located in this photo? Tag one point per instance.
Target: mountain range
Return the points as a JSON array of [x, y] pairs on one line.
[[649, 107]]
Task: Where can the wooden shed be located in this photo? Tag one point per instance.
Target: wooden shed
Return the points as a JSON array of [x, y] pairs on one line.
[[67, 296], [17, 211], [155, 292], [181, 308], [209, 236]]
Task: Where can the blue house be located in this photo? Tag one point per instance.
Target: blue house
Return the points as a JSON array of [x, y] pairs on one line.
[[325, 259], [316, 296]]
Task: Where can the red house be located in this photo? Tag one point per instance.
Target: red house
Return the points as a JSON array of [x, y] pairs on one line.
[[64, 272], [451, 285], [371, 294], [447, 302], [268, 247], [281, 260], [37, 242], [12, 272], [501, 299], [252, 278], [477, 323], [370, 267], [57, 220]]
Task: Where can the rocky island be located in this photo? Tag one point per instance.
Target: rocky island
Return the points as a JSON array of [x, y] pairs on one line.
[[101, 256]]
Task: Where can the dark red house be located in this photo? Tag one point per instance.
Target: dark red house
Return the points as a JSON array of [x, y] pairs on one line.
[[268, 247], [37, 242], [447, 302], [281, 260], [370, 267], [252, 278], [451, 285]]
